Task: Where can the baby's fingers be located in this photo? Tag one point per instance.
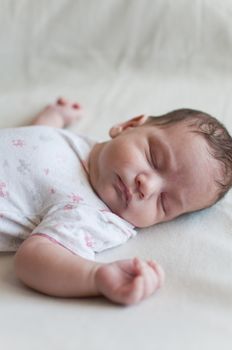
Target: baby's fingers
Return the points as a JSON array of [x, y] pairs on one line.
[[158, 270], [131, 293], [137, 290], [150, 278]]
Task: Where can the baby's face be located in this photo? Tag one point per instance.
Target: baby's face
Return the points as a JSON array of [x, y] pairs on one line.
[[147, 174]]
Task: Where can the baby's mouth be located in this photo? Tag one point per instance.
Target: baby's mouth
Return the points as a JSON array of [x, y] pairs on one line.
[[123, 191]]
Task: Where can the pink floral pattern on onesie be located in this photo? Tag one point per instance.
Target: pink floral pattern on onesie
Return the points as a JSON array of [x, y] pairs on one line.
[[75, 198], [45, 190], [89, 241], [3, 192], [18, 143], [69, 206]]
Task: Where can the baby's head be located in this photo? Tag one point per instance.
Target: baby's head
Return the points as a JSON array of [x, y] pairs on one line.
[[157, 168]]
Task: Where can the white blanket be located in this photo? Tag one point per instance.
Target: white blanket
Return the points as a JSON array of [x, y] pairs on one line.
[[121, 58]]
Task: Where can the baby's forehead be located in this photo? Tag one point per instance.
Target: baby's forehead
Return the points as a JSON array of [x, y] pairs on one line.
[[184, 138], [175, 131], [177, 125]]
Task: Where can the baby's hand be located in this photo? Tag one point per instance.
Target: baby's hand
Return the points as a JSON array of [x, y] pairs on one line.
[[129, 281]]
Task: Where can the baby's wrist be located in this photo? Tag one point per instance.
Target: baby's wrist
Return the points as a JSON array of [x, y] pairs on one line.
[[93, 278]]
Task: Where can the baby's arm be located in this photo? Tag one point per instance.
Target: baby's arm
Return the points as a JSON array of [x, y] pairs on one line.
[[53, 270]]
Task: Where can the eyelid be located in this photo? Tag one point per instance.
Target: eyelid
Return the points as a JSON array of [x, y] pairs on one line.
[[153, 160], [153, 163]]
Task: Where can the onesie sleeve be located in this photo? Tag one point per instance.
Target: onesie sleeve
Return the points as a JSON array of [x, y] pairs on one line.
[[84, 230]]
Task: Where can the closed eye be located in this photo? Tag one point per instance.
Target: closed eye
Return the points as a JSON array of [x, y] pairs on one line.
[[152, 157], [162, 195]]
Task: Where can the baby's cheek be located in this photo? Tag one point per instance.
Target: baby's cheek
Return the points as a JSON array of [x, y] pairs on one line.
[[141, 217], [108, 195]]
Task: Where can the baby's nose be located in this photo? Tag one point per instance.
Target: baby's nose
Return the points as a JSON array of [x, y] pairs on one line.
[[148, 185]]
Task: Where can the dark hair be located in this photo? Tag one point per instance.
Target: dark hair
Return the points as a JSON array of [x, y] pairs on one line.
[[213, 131]]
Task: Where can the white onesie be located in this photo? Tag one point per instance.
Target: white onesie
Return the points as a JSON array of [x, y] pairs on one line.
[[44, 189]]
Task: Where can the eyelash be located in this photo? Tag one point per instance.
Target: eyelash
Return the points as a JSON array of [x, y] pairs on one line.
[[162, 203]]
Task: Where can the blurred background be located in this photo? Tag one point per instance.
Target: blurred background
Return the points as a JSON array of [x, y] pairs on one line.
[[118, 58]]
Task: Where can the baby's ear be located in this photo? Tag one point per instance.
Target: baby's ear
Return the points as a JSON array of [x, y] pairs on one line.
[[131, 123]]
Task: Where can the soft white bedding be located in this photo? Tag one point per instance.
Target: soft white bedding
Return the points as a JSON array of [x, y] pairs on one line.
[[122, 58]]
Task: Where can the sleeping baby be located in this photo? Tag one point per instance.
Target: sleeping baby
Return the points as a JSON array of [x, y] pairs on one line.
[[64, 197]]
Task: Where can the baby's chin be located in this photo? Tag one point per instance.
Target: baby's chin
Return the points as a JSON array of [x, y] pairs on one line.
[[120, 212]]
